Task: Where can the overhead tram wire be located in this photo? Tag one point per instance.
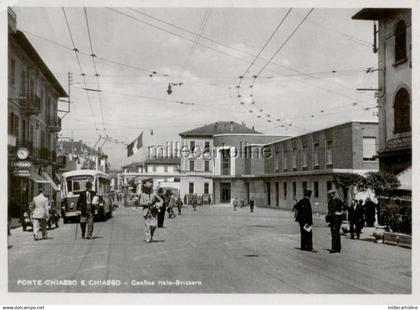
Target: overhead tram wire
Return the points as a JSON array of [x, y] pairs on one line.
[[267, 42], [285, 42], [242, 60], [231, 48], [195, 43], [93, 56], [137, 68], [76, 51]]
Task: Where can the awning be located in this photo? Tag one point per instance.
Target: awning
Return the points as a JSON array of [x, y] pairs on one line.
[[51, 181], [405, 178], [37, 178]]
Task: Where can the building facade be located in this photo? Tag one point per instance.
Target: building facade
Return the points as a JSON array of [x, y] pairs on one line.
[[232, 161], [33, 122], [310, 161], [394, 50], [198, 163]]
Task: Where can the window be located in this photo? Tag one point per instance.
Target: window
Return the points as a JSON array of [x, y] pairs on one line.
[[316, 154], [12, 72], [206, 146], [294, 190], [284, 160], [22, 83], [316, 189], [206, 166], [400, 42], [177, 180], [304, 157], [192, 146], [191, 165], [165, 168], [402, 108], [304, 187], [369, 148], [329, 153], [329, 186], [206, 188], [285, 190], [294, 158], [154, 168], [225, 162], [191, 188]]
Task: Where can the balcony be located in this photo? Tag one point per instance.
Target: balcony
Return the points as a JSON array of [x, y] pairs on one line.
[[32, 105], [54, 124]]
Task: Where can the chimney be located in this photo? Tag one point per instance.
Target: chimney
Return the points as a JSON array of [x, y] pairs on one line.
[[231, 126]]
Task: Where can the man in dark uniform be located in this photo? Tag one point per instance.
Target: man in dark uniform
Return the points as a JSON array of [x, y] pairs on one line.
[[304, 218], [85, 205], [335, 218], [356, 218], [162, 211]]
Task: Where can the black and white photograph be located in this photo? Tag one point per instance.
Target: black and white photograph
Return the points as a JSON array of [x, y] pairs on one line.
[[209, 149]]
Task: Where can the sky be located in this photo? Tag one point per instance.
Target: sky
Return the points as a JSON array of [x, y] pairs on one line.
[[309, 65]]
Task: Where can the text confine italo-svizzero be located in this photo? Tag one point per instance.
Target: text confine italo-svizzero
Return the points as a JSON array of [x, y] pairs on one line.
[[109, 282]]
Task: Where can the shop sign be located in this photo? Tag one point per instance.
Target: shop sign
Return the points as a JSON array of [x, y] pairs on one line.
[[21, 173], [22, 164]]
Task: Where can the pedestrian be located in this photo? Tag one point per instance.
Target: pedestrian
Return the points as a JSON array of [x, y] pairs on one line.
[[235, 203], [136, 201], [86, 204], [251, 205], [355, 213], [335, 218], [242, 203], [179, 205], [39, 208], [304, 218], [171, 203], [194, 202], [162, 209], [370, 209], [151, 203]]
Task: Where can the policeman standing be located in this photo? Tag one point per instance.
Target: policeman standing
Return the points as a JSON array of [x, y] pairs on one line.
[[304, 218], [335, 218]]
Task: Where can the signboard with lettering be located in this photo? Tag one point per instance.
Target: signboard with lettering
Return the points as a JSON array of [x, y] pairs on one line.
[[22, 164], [22, 173]]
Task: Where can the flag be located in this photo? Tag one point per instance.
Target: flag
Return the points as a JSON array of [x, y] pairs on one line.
[[134, 146]]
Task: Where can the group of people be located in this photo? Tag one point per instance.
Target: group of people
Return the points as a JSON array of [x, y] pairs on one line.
[[155, 205], [334, 217], [235, 204]]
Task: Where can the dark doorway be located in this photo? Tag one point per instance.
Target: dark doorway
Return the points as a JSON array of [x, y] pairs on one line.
[[225, 192], [268, 194], [277, 194], [247, 192]]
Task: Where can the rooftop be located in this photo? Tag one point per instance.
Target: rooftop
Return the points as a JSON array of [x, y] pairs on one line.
[[163, 161], [374, 13], [218, 128], [26, 45]]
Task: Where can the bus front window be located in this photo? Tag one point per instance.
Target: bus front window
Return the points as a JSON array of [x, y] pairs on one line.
[[78, 184]]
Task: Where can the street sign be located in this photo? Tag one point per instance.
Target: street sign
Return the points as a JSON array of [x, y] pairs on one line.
[[22, 173], [22, 164]]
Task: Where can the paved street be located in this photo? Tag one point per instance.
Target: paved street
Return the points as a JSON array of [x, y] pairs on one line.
[[227, 251]]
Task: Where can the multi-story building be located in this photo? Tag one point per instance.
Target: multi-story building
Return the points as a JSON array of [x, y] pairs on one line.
[[310, 161], [393, 45], [33, 122], [197, 160], [232, 161]]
